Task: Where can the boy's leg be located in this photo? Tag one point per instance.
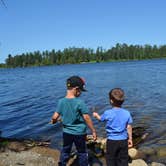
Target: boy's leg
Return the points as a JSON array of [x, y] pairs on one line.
[[123, 153], [111, 152], [80, 143], [67, 145]]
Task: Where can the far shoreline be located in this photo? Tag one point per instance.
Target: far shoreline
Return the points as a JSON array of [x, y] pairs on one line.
[[3, 66]]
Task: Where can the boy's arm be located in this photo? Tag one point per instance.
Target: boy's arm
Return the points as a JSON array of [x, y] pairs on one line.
[[90, 125], [130, 141], [55, 118], [96, 115]]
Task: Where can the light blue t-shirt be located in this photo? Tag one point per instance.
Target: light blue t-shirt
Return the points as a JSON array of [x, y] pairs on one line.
[[117, 120], [71, 111]]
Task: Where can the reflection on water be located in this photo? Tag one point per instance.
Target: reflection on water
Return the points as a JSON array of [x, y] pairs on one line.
[[28, 97]]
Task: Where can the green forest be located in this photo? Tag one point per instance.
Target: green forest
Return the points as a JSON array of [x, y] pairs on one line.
[[73, 55]]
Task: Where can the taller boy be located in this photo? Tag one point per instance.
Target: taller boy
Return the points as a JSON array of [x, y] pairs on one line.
[[74, 115], [118, 128]]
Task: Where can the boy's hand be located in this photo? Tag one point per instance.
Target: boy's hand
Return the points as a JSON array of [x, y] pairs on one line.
[[55, 120], [52, 121], [130, 143], [96, 115]]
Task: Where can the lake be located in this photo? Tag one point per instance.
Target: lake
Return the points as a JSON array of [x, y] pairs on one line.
[[28, 97]]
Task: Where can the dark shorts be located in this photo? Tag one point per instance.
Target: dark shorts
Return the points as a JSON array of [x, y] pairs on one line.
[[80, 144], [117, 153]]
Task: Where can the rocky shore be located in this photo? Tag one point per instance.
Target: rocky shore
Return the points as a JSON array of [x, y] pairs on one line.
[[43, 156], [33, 153], [14, 152]]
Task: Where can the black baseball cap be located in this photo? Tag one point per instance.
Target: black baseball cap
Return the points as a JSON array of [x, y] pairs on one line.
[[76, 81]]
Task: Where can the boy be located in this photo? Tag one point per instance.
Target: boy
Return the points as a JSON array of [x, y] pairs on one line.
[[118, 128], [74, 115]]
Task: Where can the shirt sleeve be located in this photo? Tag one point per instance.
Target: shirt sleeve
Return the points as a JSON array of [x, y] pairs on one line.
[[104, 116], [83, 108], [130, 120], [58, 108]]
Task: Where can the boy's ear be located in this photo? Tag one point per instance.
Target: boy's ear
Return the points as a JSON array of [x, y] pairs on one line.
[[76, 88], [111, 101]]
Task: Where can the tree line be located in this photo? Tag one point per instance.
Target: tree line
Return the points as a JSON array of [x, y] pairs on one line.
[[73, 55]]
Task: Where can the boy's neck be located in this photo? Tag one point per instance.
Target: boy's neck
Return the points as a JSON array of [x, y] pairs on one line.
[[70, 94], [115, 107]]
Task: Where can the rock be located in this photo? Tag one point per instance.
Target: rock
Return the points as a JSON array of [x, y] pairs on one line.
[[27, 158], [138, 162], [147, 151], [16, 146], [161, 152], [156, 164], [162, 142], [139, 134], [21, 144], [153, 153], [47, 152], [133, 153], [136, 154]]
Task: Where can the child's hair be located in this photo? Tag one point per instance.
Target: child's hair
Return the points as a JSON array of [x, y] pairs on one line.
[[117, 97]]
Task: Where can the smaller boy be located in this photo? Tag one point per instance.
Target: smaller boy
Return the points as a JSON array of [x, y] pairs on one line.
[[118, 128], [75, 118]]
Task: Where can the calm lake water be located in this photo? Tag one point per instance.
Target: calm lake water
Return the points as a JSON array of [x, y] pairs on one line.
[[28, 97]]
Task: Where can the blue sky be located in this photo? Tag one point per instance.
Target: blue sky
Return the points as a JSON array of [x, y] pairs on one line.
[[31, 25]]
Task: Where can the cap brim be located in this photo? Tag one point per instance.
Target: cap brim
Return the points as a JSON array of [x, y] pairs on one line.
[[84, 90]]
